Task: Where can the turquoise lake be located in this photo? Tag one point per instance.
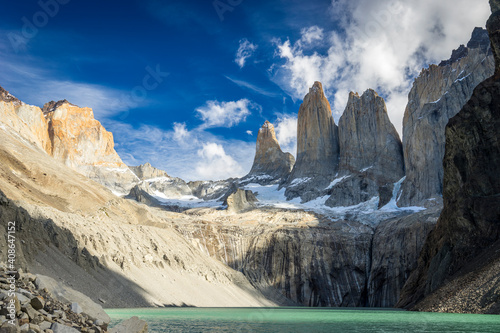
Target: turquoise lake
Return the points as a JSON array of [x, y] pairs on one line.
[[307, 320]]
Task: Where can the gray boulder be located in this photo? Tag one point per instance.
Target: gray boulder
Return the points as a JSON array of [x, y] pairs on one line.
[[132, 325], [65, 294]]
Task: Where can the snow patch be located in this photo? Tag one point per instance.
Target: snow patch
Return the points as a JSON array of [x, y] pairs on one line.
[[336, 181], [392, 205], [457, 80], [298, 181]]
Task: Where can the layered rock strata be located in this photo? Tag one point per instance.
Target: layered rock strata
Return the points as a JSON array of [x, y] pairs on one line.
[[371, 154], [468, 227], [317, 147], [437, 95], [270, 164]]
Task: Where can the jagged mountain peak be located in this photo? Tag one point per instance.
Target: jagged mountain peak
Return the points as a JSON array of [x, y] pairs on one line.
[[53, 105], [479, 40], [147, 171], [7, 97]]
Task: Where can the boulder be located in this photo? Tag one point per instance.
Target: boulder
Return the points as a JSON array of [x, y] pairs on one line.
[[132, 325], [240, 200], [65, 294]]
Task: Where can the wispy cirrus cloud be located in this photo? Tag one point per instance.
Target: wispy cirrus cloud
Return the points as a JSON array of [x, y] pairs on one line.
[[245, 51], [252, 87]]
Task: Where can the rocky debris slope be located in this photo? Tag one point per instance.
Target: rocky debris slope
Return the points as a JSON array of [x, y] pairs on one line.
[[126, 254], [371, 154], [72, 136], [469, 223], [34, 308], [270, 164], [437, 95], [317, 147]]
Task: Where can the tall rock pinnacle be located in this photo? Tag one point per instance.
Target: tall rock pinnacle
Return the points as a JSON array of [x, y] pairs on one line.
[[270, 162], [371, 153], [437, 95], [317, 146], [368, 139]]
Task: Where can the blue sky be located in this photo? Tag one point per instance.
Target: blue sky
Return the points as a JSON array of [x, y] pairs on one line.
[[185, 85]]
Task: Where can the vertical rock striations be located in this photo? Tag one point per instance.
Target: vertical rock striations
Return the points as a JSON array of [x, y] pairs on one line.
[[437, 95], [317, 147], [270, 164], [470, 221], [371, 154]]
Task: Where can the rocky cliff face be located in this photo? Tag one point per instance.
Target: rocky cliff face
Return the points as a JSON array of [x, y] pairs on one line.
[[317, 147], [437, 95], [371, 154], [270, 164], [469, 223], [72, 136], [81, 142], [300, 258], [27, 120]]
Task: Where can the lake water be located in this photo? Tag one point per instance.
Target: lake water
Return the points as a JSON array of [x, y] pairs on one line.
[[307, 320]]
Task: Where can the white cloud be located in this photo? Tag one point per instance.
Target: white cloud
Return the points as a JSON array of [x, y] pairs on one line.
[[286, 133], [384, 45], [245, 51], [310, 35], [178, 150], [226, 114], [180, 134], [249, 132], [216, 164]]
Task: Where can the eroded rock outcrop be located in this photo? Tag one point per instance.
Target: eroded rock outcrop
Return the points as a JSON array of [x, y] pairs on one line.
[[437, 95], [270, 164], [469, 223], [371, 154], [72, 136], [147, 171], [81, 142], [317, 147], [240, 200]]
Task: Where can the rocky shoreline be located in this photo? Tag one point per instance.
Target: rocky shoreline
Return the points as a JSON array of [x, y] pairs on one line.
[[35, 307]]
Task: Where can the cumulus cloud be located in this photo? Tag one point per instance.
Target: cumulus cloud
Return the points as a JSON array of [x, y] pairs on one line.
[[381, 45], [245, 51], [310, 35], [215, 163], [189, 154], [226, 114], [249, 132], [286, 133]]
